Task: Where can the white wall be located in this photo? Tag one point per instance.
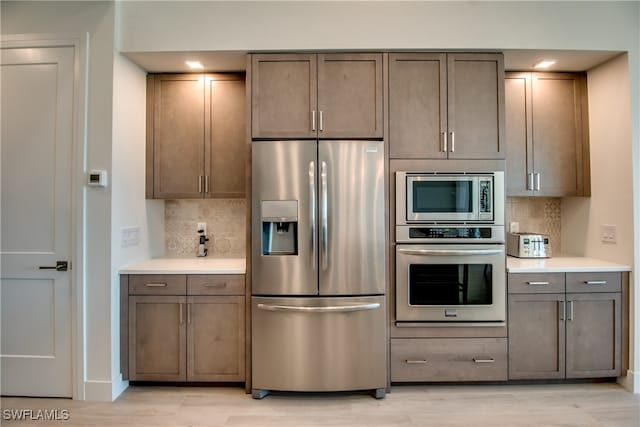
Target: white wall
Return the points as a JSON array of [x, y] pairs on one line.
[[611, 200], [128, 205], [97, 19], [265, 25]]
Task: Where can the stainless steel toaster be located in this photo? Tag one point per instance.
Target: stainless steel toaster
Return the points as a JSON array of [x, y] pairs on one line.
[[528, 245]]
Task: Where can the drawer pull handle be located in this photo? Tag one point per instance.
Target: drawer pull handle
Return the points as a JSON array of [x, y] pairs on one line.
[[415, 362], [155, 285], [595, 282], [489, 360], [215, 285], [538, 283]]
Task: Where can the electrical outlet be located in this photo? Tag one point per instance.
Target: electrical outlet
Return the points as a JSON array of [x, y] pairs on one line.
[[514, 227], [202, 226], [608, 233]]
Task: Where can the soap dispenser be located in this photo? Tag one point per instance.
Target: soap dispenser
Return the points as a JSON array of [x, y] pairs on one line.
[[202, 240]]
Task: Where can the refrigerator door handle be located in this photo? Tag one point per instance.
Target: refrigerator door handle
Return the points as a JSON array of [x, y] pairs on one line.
[[324, 208], [330, 309], [312, 211]]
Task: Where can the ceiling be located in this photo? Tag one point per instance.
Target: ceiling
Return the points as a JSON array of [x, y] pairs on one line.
[[515, 60]]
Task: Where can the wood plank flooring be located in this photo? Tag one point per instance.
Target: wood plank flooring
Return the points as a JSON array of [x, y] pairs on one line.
[[599, 404]]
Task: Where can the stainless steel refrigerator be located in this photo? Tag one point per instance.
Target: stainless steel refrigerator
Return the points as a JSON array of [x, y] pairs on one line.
[[318, 266]]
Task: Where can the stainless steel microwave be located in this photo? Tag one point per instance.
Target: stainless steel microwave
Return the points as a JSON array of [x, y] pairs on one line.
[[450, 197]]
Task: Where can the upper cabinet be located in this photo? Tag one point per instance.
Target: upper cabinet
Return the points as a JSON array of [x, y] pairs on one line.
[[195, 136], [446, 106], [308, 96], [547, 134]]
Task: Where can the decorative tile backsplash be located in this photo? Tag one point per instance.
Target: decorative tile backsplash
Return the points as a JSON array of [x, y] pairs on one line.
[[538, 215], [226, 223]]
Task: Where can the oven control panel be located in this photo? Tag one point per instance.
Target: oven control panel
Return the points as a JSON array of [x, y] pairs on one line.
[[450, 232]]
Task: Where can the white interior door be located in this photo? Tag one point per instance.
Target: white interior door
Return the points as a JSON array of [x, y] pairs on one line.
[[36, 150]]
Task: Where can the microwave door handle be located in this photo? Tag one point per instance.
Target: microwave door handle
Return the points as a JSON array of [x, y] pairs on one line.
[[450, 252], [312, 210]]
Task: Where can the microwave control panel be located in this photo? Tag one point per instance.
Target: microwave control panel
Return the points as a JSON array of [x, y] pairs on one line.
[[485, 196]]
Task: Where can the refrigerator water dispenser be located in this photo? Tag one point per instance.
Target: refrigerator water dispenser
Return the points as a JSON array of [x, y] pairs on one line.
[[279, 227]]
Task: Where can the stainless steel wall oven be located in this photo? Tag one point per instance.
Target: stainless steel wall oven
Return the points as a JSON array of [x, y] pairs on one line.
[[450, 252]]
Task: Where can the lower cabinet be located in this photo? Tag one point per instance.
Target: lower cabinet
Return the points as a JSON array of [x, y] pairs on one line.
[[198, 335], [594, 338], [215, 338], [448, 359], [157, 338], [566, 334]]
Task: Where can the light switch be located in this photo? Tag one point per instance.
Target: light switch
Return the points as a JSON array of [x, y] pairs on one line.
[[608, 233], [130, 236]]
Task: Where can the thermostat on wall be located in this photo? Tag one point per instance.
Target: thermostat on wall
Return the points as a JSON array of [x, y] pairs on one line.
[[97, 178]]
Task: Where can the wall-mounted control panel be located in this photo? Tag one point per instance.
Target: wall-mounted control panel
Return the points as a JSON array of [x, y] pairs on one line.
[[97, 178]]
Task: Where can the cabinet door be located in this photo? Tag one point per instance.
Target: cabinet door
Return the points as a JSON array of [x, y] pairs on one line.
[[283, 96], [225, 134], [518, 133], [417, 105], [216, 338], [350, 95], [536, 336], [476, 106], [178, 136], [557, 133], [594, 335], [157, 338]]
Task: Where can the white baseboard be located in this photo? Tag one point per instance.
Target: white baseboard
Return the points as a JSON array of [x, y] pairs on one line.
[[119, 385], [105, 391], [631, 382]]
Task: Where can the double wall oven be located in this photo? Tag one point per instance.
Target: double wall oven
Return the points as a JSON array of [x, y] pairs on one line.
[[450, 250]]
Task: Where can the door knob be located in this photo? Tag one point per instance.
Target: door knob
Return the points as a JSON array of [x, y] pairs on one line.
[[60, 266]]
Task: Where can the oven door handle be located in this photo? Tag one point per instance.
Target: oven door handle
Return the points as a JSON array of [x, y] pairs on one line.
[[450, 252]]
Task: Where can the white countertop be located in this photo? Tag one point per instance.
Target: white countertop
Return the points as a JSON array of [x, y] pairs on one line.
[[204, 265], [562, 264]]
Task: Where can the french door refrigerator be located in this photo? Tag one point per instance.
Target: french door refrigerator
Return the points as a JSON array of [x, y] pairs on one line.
[[318, 266]]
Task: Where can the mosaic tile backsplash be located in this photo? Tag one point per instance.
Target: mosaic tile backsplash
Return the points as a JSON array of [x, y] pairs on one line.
[[226, 222], [538, 215]]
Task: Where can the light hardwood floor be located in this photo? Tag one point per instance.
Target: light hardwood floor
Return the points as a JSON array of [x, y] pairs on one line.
[[601, 404]]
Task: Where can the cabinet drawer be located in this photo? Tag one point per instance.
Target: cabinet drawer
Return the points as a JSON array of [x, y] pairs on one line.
[[215, 284], [535, 283], [594, 282], [457, 359], [157, 284]]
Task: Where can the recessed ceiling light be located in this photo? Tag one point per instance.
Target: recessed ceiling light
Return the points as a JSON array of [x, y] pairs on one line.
[[545, 64], [194, 65]]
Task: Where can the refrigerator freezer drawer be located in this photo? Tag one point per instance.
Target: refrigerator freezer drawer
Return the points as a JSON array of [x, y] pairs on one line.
[[319, 344]]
